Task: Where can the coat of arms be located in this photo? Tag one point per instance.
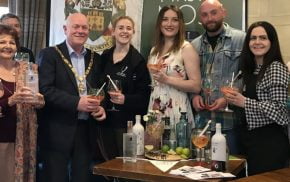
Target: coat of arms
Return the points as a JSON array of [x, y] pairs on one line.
[[100, 14]]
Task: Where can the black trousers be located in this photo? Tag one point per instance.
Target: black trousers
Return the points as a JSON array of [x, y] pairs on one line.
[[266, 148], [72, 165]]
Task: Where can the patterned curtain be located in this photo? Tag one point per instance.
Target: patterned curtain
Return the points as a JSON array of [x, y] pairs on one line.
[[32, 14]]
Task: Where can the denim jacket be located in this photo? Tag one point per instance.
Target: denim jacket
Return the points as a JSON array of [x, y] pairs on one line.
[[219, 64]]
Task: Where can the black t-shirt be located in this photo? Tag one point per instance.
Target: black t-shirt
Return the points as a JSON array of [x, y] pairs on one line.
[[213, 40]]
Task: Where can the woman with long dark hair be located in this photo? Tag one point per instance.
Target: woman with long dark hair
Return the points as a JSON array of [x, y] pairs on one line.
[[263, 100]]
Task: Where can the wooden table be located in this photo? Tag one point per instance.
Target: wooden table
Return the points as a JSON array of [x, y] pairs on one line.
[[145, 171], [281, 175]]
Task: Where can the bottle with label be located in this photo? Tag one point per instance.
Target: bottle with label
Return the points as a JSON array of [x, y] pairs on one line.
[[167, 130], [218, 150], [129, 144], [182, 130], [31, 79], [172, 138], [138, 130]]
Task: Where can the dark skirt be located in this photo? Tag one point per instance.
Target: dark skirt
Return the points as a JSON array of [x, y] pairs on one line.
[[110, 142], [266, 148]]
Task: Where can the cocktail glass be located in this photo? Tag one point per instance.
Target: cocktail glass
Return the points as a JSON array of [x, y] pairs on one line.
[[199, 141], [114, 87], [154, 68], [227, 88], [97, 93]]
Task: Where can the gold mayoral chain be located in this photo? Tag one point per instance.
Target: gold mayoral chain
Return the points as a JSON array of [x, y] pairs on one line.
[[81, 79]]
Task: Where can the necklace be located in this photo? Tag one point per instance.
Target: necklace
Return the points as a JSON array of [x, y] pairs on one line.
[[81, 79]]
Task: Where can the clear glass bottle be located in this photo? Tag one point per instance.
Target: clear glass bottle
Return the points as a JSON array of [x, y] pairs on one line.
[[182, 131], [172, 138], [129, 144], [31, 78]]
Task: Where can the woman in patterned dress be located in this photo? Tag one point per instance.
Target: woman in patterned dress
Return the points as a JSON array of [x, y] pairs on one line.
[[263, 101], [18, 123], [180, 72]]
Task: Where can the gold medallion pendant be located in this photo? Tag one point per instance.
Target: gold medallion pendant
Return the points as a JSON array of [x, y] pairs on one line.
[[81, 85]]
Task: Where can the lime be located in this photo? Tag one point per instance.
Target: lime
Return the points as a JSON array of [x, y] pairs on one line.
[[165, 148], [171, 151], [183, 156], [186, 151], [178, 150]]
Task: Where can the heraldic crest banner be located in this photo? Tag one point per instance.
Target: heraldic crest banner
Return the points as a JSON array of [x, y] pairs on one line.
[[100, 15]]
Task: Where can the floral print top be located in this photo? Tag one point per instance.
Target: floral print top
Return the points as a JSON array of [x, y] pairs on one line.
[[165, 98]]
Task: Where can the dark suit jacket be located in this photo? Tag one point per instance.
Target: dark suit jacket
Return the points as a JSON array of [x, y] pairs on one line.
[[59, 117]]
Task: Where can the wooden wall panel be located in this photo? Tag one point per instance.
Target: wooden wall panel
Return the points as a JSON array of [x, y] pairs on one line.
[[277, 13]]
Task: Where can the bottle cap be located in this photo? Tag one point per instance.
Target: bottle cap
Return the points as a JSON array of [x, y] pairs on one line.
[[218, 125], [129, 126], [138, 118]]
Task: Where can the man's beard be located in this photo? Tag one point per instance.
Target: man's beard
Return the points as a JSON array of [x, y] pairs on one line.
[[215, 28]]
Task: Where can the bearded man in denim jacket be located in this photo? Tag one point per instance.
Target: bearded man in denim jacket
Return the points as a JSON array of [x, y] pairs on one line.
[[219, 49]]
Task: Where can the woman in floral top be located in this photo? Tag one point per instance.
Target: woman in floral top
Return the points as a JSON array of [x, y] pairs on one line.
[[180, 71]]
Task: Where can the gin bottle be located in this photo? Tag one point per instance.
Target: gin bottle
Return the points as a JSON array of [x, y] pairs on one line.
[[167, 131], [31, 79], [138, 130], [129, 144], [172, 138], [182, 130]]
